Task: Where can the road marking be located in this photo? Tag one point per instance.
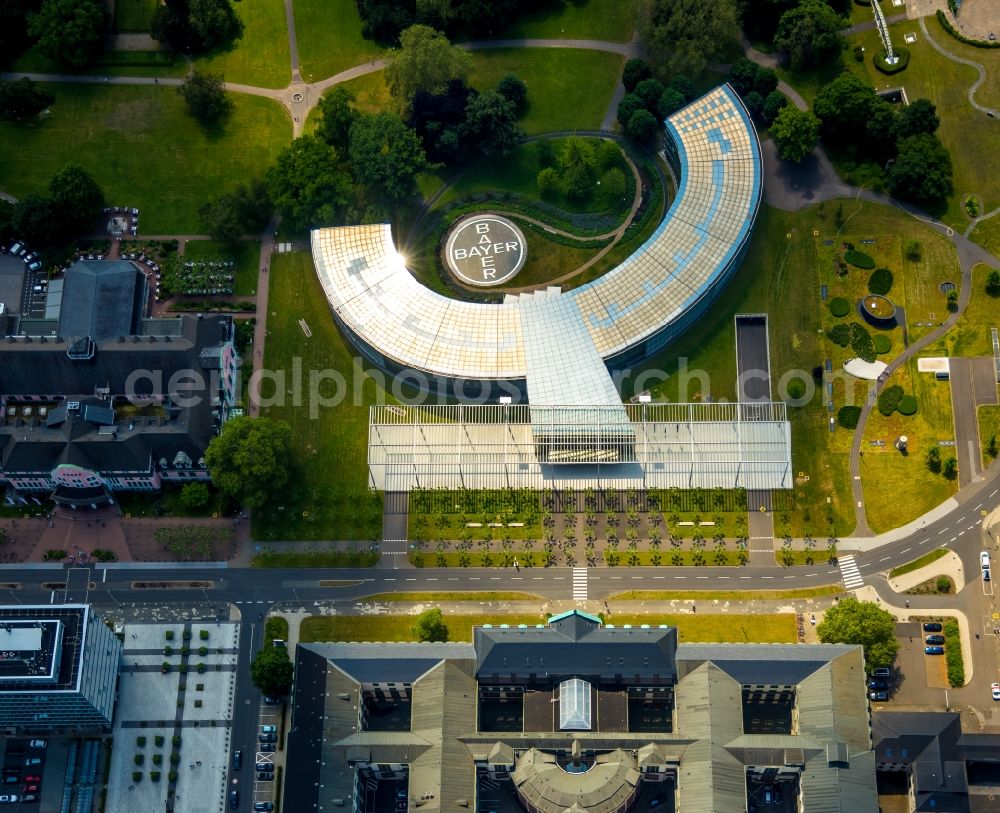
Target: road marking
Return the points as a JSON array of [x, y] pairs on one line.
[[432, 580], [978, 507], [537, 578], [850, 573], [942, 531], [580, 583], [391, 580], [885, 558], [994, 491], [411, 580], [907, 550], [961, 533]]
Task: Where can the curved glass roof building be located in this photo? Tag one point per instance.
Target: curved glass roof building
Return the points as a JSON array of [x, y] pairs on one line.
[[625, 315]]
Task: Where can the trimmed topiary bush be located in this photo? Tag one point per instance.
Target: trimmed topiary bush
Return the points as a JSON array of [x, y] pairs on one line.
[[840, 334], [859, 259], [889, 398], [883, 344], [839, 307], [907, 405], [861, 343], [879, 59], [880, 282], [848, 416]]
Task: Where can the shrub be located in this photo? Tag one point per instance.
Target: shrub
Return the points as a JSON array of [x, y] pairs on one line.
[[839, 307], [952, 301], [953, 654], [186, 635], [175, 757], [950, 469], [202, 651], [172, 776], [943, 584], [840, 334], [859, 259], [907, 405], [140, 741], [933, 460], [883, 344], [861, 343], [203, 634], [168, 650], [947, 26], [796, 388], [159, 740], [903, 55], [169, 635], [157, 759], [154, 775], [138, 759], [880, 282], [993, 283], [913, 251], [175, 740], [848, 416], [889, 398], [136, 776], [201, 668]]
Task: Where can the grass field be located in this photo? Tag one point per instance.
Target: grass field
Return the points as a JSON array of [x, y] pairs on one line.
[[610, 20], [245, 256], [971, 334], [260, 56], [967, 133], [916, 564], [987, 234], [143, 147], [989, 427], [134, 15], [111, 63], [331, 445], [567, 89], [763, 628], [329, 38]]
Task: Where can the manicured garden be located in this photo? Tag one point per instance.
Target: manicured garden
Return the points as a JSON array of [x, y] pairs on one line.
[[245, 257], [143, 149]]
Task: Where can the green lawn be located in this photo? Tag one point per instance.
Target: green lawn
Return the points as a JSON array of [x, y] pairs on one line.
[[988, 94], [260, 56], [609, 20], [110, 63], [134, 15], [245, 256], [916, 564], [968, 134], [329, 38], [971, 334], [989, 427], [763, 628], [567, 89], [726, 595], [987, 234], [333, 501], [143, 148]]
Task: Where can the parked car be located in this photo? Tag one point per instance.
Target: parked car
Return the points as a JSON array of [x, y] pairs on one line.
[[237, 760], [29, 797], [934, 639], [271, 700], [933, 650], [932, 626], [996, 691], [882, 672], [32, 779], [656, 801], [9, 798], [264, 806], [263, 776], [39, 744], [29, 788], [33, 761], [268, 737], [16, 249], [268, 729], [234, 799], [879, 696], [266, 747], [878, 683], [264, 766], [11, 779], [984, 562]]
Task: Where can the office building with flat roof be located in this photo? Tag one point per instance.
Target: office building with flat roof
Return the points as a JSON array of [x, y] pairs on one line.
[[58, 670]]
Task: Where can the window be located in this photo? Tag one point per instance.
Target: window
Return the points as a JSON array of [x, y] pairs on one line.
[[574, 705]]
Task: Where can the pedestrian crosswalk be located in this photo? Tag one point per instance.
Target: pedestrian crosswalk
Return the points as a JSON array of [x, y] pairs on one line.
[[579, 584], [849, 570]]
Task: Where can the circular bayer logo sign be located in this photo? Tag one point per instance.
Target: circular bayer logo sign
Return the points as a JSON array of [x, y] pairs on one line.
[[485, 250]]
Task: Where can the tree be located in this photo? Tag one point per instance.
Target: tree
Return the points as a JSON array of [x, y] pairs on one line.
[[206, 97], [773, 104], [993, 283], [430, 626], [70, 31], [642, 126], [844, 107], [634, 72], [746, 76], [439, 120], [77, 200], [425, 60], [195, 25], [307, 185], [20, 99], [336, 115], [861, 622], [195, 496], [992, 450], [250, 460], [627, 106], [682, 85], [920, 116], [14, 16], [922, 171], [35, 221], [491, 122], [685, 34], [794, 132], [880, 131], [809, 33], [514, 91], [650, 91], [949, 470], [933, 460], [386, 155], [548, 182], [271, 671], [754, 102], [670, 102], [245, 210]]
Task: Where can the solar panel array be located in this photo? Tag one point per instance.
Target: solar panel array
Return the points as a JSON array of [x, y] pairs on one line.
[[375, 297]]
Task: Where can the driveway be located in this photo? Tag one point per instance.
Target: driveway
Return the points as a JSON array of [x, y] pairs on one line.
[[912, 689]]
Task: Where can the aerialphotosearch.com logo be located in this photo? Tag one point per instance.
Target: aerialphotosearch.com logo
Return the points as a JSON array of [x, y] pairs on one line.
[[321, 389]]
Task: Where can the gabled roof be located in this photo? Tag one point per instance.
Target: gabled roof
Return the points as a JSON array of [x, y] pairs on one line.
[[102, 299]]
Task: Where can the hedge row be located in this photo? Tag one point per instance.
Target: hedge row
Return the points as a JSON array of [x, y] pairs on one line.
[[947, 26], [880, 282], [903, 58], [953, 653], [861, 343], [859, 259], [839, 307]]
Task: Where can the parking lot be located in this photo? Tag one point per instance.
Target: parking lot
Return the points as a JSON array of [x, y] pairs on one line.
[[23, 768], [265, 758], [909, 683]]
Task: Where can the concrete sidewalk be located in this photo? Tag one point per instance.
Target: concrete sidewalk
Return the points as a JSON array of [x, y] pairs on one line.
[[948, 565]]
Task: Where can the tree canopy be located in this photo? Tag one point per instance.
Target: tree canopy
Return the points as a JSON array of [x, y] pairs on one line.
[[307, 185], [922, 170], [77, 200], [386, 155], [794, 132], [271, 671], [919, 116], [206, 97], [70, 31], [642, 126], [855, 622], [430, 626], [21, 98], [336, 115], [844, 107], [685, 34], [245, 210], [250, 460], [809, 33], [491, 123], [195, 25], [425, 60], [634, 72]]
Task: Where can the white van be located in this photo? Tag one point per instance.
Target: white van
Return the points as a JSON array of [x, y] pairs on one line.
[[16, 249]]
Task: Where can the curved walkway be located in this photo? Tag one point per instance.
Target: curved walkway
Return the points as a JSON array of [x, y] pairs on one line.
[[961, 61]]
